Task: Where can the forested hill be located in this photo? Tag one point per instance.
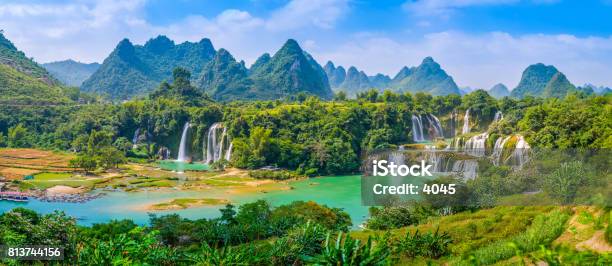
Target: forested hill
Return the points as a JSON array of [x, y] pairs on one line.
[[12, 57], [540, 80], [70, 72], [428, 77], [24, 82], [132, 70]]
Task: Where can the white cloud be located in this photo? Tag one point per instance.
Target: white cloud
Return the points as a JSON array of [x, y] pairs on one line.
[[445, 8], [482, 60], [88, 30], [299, 13]]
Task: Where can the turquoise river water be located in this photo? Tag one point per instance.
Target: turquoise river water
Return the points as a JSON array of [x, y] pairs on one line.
[[335, 191]]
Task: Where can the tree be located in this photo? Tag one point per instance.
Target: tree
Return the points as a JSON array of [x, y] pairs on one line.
[[85, 162], [123, 144], [17, 137], [563, 183], [2, 140], [110, 157], [340, 96]]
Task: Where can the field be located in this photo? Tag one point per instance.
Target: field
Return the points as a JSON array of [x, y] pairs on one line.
[[50, 169], [177, 204], [497, 235], [17, 163]]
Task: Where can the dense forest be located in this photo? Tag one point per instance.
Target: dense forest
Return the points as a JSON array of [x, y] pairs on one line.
[[302, 133]]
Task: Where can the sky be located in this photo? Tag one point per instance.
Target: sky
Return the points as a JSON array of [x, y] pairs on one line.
[[478, 42]]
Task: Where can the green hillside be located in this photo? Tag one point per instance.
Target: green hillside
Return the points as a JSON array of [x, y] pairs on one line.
[[24, 82], [499, 91], [540, 80], [132, 70], [428, 77]]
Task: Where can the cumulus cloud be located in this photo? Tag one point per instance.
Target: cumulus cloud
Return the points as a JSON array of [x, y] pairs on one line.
[[482, 60], [88, 30]]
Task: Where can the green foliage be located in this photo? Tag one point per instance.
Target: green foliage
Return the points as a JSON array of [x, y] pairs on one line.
[[85, 162], [430, 245], [544, 229], [18, 137], [427, 77], [563, 183], [348, 251], [22, 227], [540, 80], [564, 256], [132, 70], [135, 247], [289, 71], [273, 174]]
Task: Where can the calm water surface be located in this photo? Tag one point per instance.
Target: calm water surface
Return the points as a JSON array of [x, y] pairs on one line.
[[335, 191]]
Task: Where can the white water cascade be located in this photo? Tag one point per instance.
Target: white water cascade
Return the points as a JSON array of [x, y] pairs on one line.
[[498, 116], [475, 146], [417, 129], [228, 153], [435, 123], [466, 168], [466, 122], [521, 151], [498, 149], [182, 154], [215, 143]]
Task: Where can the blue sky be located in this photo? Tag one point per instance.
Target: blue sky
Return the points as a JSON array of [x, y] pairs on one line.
[[478, 42]]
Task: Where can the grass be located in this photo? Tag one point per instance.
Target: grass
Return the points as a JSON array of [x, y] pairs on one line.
[[471, 231], [52, 176], [183, 203], [543, 231]]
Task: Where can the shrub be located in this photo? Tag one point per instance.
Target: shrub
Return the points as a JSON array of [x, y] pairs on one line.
[[348, 251], [544, 229], [431, 245], [271, 174]]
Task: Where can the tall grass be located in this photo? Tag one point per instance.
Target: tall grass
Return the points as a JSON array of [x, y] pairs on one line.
[[544, 229]]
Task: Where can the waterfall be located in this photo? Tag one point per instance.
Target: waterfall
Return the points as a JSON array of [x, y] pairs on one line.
[[228, 153], [215, 143], [498, 149], [417, 129], [466, 168], [135, 138], [521, 151], [498, 116], [435, 122], [466, 122], [182, 156], [475, 146], [396, 157], [453, 123]]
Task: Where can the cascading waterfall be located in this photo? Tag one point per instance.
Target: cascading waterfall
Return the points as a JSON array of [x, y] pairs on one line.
[[215, 143], [521, 151], [136, 134], [435, 122], [466, 168], [466, 122], [498, 149], [453, 123], [417, 129], [182, 154], [498, 116], [228, 153], [475, 146]]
